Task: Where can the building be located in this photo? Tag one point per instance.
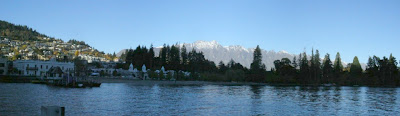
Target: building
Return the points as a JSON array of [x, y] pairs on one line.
[[40, 68], [3, 66]]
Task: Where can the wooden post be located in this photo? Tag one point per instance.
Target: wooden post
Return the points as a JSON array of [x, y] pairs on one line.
[[52, 111]]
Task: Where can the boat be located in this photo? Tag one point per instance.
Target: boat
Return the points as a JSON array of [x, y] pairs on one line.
[[92, 84], [38, 82]]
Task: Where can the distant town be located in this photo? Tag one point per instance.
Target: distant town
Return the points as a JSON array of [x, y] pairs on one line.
[[24, 52]]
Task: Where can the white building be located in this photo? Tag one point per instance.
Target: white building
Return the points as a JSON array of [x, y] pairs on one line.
[[40, 68]]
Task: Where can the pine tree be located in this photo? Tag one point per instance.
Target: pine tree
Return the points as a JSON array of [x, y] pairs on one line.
[[151, 57], [392, 69], [257, 68], [222, 68], [338, 66], [294, 63], [304, 69], [184, 55], [327, 69], [257, 60], [317, 67], [174, 58], [355, 71], [163, 55], [356, 67]]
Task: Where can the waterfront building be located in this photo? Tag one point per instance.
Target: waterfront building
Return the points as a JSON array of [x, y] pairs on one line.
[[40, 68]]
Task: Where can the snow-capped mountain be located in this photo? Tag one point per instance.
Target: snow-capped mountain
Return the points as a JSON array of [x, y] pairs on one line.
[[216, 52]]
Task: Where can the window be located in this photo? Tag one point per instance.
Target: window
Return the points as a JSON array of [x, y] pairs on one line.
[[41, 66], [47, 67], [27, 65], [2, 64]]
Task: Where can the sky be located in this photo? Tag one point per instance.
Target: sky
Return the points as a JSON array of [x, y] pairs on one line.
[[352, 27]]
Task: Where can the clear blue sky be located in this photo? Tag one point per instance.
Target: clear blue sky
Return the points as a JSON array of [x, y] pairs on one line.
[[352, 27]]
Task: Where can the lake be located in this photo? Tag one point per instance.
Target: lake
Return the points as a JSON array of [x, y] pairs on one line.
[[133, 99]]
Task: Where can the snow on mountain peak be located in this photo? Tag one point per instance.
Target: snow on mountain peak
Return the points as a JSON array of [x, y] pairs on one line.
[[215, 52], [237, 48], [206, 44], [283, 51]]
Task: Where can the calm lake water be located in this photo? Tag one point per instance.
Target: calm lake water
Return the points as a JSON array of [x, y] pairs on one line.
[[131, 99]]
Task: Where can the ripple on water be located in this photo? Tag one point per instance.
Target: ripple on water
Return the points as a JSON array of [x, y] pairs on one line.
[[128, 99]]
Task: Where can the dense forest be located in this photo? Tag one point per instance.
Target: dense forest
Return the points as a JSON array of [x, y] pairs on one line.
[[302, 70]]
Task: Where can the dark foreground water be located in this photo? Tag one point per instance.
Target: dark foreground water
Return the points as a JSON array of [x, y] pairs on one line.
[[131, 99]]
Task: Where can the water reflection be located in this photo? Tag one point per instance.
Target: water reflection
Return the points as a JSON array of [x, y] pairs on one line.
[[131, 99], [256, 101], [256, 90]]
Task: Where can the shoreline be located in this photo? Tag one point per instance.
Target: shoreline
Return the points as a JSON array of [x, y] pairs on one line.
[[165, 82], [26, 79], [162, 82]]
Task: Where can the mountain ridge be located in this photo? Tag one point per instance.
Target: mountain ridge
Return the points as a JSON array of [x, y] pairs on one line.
[[216, 52]]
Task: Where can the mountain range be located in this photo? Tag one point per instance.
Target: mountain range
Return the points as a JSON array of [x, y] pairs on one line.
[[23, 35], [215, 52]]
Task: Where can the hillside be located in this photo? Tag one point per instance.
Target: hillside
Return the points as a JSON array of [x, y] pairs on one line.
[[20, 32], [23, 42]]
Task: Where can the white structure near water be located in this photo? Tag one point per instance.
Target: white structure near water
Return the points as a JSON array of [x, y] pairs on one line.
[[40, 68]]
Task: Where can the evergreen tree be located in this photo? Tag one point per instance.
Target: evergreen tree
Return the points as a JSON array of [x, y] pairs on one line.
[[317, 67], [257, 60], [294, 63], [163, 55], [184, 55], [312, 78], [174, 58], [304, 69], [392, 70], [338, 66], [372, 71], [355, 68], [222, 68], [355, 71], [151, 57], [257, 68], [327, 69]]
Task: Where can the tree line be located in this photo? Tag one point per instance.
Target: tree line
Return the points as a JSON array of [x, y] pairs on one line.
[[379, 72], [171, 57], [301, 70]]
